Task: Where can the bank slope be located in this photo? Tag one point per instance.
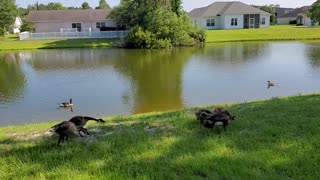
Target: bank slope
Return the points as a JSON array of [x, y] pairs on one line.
[[277, 138]]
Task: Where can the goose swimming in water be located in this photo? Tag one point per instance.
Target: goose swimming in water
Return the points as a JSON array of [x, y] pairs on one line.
[[270, 84], [66, 104]]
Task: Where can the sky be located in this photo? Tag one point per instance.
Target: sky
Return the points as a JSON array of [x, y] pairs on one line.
[[188, 5]]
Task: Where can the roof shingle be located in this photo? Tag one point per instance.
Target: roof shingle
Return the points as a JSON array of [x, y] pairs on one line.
[[294, 13], [225, 8], [87, 15]]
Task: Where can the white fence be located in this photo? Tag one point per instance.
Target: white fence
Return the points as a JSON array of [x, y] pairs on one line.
[[72, 35]]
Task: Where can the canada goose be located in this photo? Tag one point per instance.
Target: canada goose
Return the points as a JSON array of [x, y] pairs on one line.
[[221, 117], [66, 129], [81, 121], [66, 104], [270, 84], [217, 117], [203, 114]]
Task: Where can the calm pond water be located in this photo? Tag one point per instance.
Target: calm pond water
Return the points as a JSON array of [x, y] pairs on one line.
[[108, 82]]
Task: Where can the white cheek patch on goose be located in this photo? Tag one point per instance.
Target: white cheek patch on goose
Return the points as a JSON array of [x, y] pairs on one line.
[[218, 123]]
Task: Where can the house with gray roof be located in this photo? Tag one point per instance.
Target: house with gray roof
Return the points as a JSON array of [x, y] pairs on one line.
[[230, 15], [297, 16], [72, 20], [280, 11]]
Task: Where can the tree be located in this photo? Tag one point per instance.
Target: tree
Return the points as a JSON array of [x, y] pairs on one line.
[[55, 6], [103, 5], [314, 12], [156, 24], [8, 13], [270, 9], [27, 26], [176, 6], [85, 5]]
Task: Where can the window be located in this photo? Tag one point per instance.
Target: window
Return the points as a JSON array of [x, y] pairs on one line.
[[234, 21], [210, 22], [98, 25], [263, 21], [76, 26]]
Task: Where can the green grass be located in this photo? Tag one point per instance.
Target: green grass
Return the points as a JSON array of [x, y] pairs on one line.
[[12, 42], [277, 32], [273, 139]]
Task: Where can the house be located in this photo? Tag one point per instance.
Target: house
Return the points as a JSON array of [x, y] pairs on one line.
[[280, 11], [230, 15], [297, 16], [72, 20], [15, 28]]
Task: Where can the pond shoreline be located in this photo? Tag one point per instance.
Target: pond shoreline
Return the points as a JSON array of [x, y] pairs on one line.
[[156, 113], [264, 132]]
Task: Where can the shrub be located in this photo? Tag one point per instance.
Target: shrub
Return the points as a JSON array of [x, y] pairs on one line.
[[155, 24]]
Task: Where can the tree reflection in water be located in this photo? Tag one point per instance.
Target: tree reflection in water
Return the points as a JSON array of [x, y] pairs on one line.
[[12, 79]]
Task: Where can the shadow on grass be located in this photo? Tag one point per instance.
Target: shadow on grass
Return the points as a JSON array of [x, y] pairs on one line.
[[274, 139]]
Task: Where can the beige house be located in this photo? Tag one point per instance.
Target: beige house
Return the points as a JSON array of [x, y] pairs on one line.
[[230, 15], [72, 20]]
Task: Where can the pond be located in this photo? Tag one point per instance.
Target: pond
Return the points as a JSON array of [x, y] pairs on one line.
[[108, 82]]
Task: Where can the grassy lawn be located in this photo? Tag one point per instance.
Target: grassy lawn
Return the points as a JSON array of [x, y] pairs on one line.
[[12, 42], [278, 32], [273, 139]]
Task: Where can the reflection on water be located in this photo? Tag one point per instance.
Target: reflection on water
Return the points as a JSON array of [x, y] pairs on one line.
[[106, 82], [12, 80], [155, 78], [313, 53]]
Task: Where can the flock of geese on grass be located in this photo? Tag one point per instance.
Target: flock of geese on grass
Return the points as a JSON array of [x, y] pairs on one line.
[[75, 126]]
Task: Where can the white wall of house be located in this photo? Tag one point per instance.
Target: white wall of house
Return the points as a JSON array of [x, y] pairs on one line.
[[56, 26], [224, 22], [203, 23], [267, 21], [198, 22], [227, 21], [16, 26], [306, 21], [285, 20]]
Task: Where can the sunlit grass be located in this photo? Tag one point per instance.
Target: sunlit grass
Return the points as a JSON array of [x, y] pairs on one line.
[[273, 139], [12, 42], [277, 32]]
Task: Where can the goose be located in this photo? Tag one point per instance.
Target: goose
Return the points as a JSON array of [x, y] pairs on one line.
[[217, 117], [271, 84], [81, 121], [66, 104], [66, 129], [203, 114]]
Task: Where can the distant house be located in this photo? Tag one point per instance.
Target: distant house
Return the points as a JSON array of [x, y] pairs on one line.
[[280, 11], [230, 15], [15, 28], [297, 16], [72, 20]]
